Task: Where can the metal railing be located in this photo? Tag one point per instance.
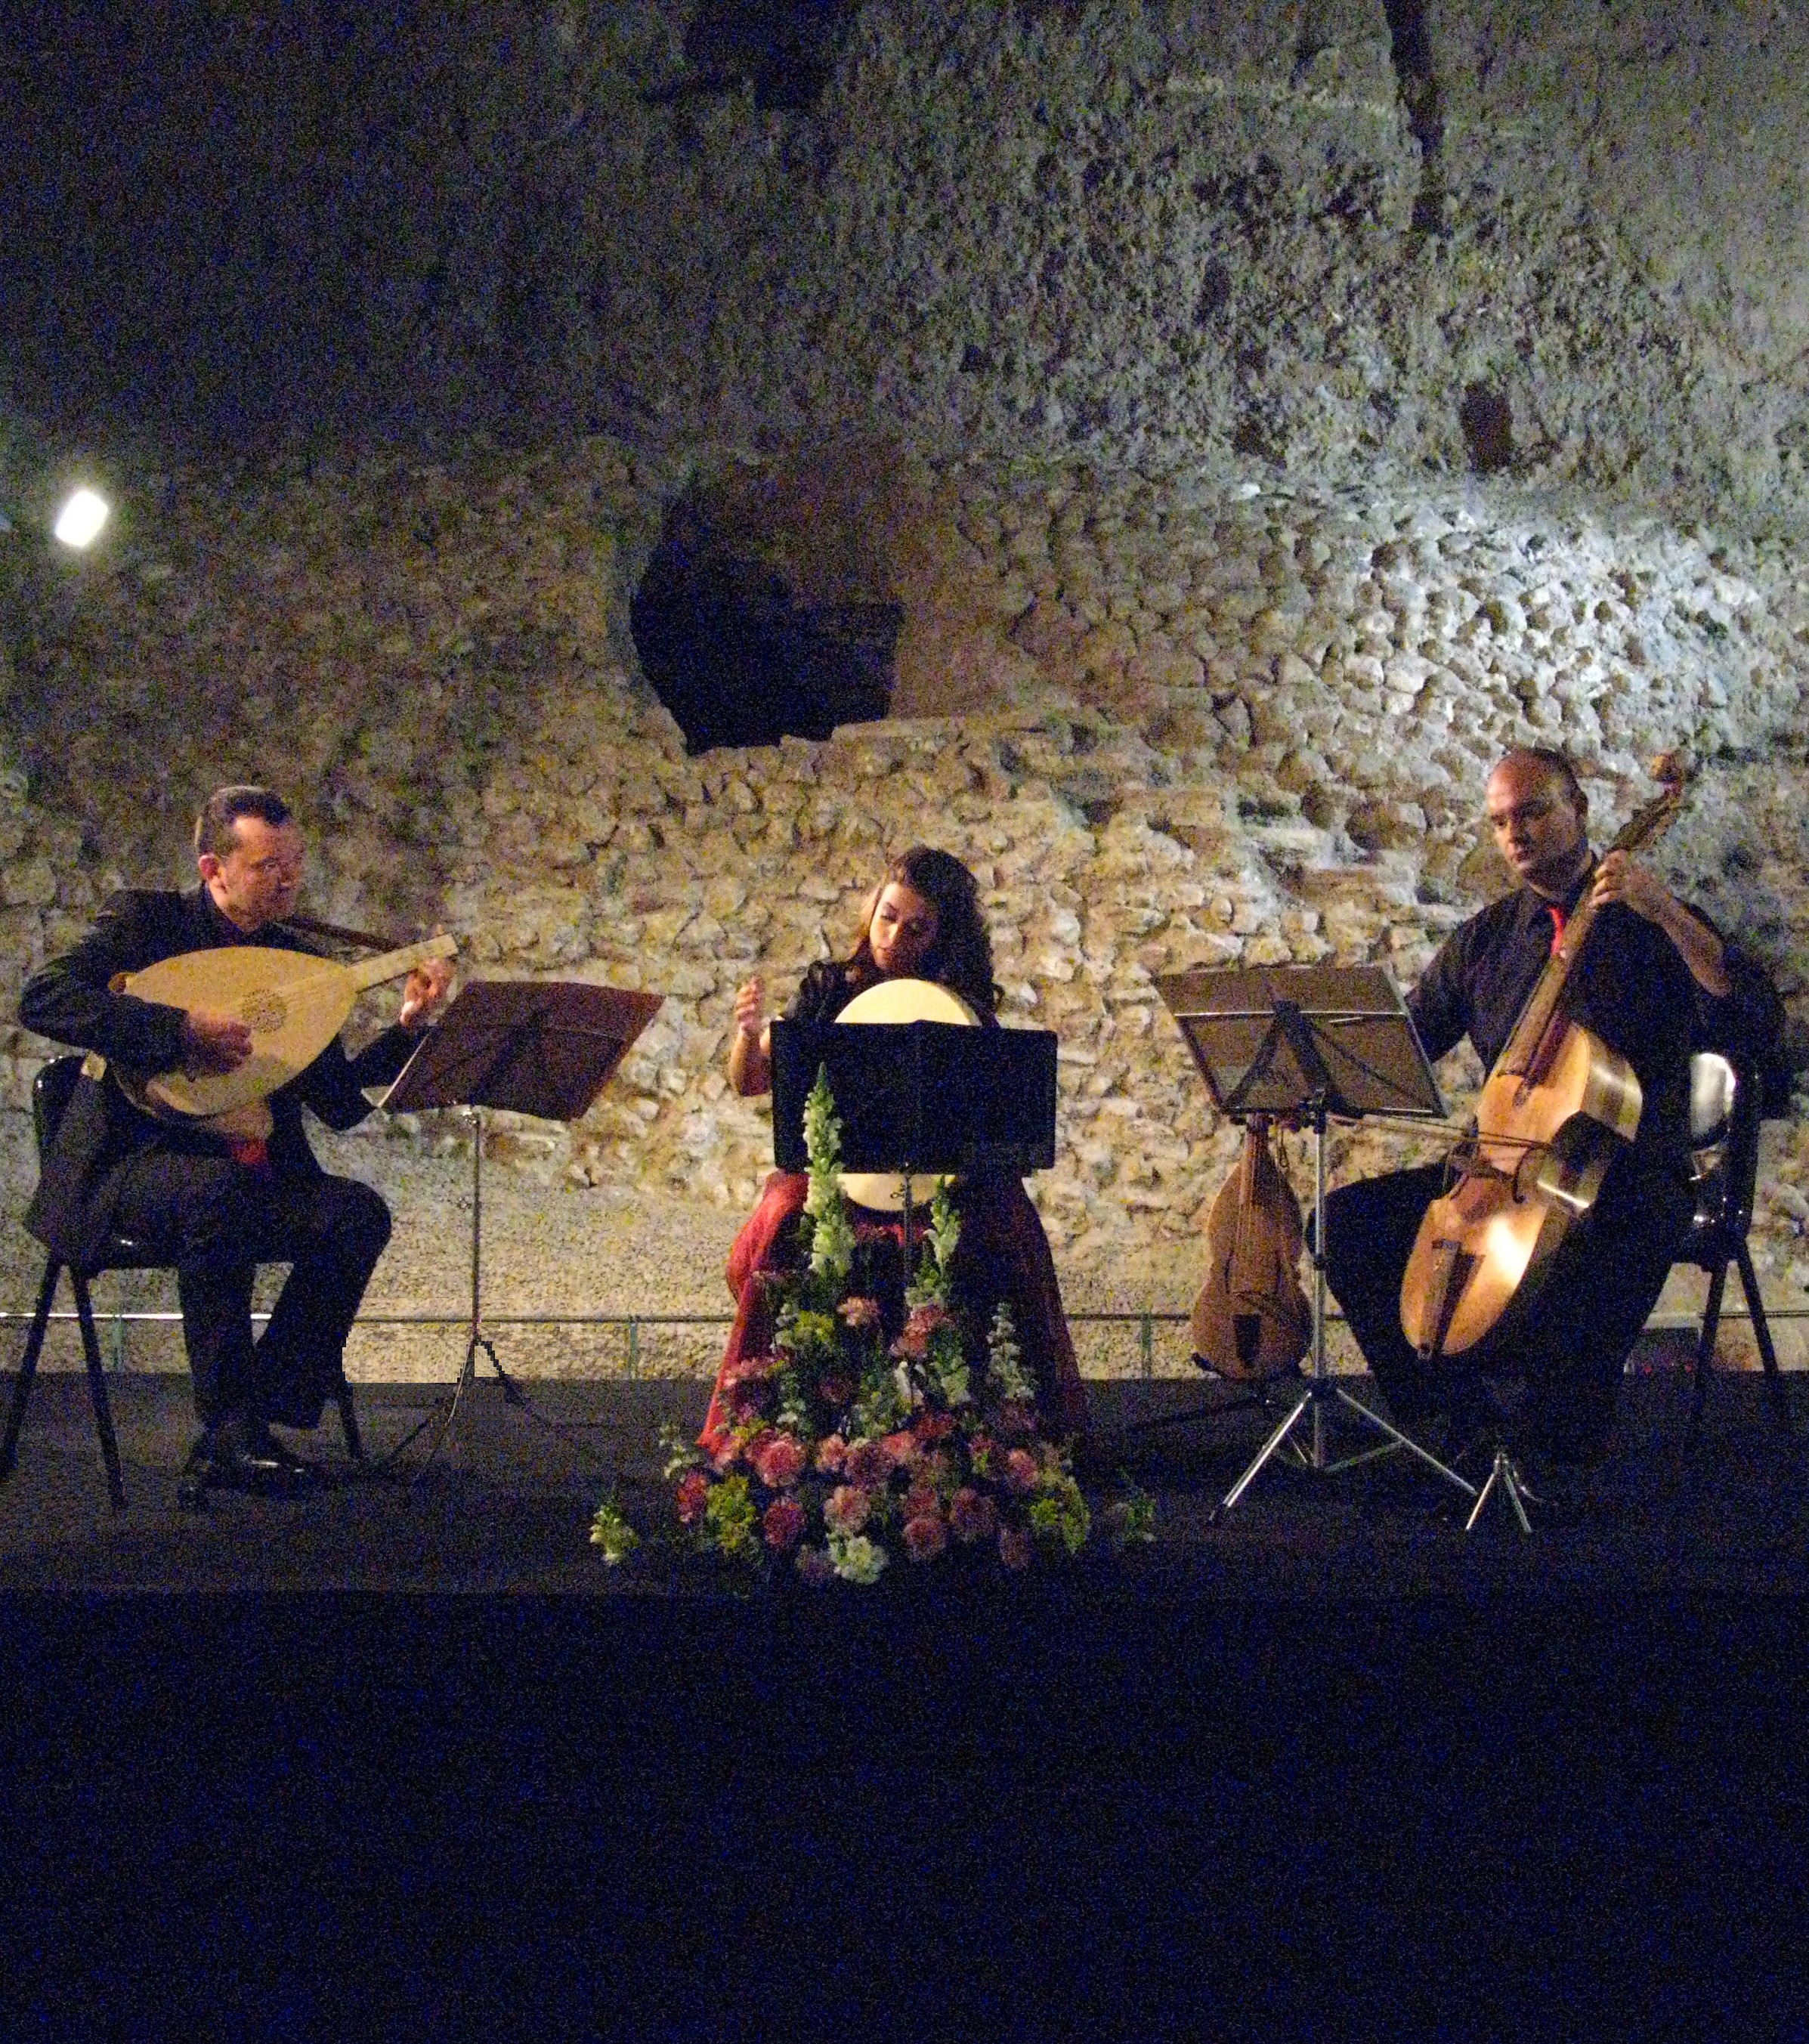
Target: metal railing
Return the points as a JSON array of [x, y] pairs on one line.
[[1145, 1320]]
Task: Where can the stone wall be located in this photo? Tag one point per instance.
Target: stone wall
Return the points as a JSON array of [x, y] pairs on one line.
[[1328, 235], [1261, 416], [1215, 720]]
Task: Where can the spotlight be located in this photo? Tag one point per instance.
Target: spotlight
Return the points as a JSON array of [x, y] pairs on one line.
[[81, 519]]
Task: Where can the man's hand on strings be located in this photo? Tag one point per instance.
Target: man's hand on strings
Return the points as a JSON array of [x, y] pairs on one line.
[[213, 1043], [1618, 879], [424, 992]]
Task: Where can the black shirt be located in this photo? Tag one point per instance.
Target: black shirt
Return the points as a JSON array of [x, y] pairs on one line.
[[1629, 985]]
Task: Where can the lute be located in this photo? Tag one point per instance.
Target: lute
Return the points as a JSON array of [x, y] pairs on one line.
[[293, 1004], [1251, 1319]]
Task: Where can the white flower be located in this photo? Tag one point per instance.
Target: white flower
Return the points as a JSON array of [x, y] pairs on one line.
[[857, 1559]]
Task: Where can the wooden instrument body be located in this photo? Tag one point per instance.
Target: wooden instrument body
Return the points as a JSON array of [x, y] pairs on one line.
[[1251, 1319], [1541, 1152], [1556, 1108], [293, 1003]]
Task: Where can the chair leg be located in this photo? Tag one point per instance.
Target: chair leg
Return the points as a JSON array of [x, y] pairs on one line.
[[97, 1390], [1705, 1355], [28, 1367], [1762, 1334], [348, 1418]]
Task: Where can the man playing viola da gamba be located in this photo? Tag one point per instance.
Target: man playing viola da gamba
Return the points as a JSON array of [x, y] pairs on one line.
[[1651, 980]]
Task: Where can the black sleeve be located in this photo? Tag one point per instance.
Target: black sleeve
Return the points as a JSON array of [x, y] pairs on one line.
[[821, 997], [332, 1087], [1747, 1020], [1439, 1004], [71, 999]]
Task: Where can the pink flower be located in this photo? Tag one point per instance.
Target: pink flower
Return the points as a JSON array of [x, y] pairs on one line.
[[831, 1451], [693, 1495], [868, 1463], [914, 1340], [748, 1370], [972, 1515], [925, 1537], [847, 1509], [933, 1426], [782, 1524], [900, 1450], [921, 1498], [1020, 1471], [860, 1313], [1015, 1547], [778, 1461], [815, 1566]]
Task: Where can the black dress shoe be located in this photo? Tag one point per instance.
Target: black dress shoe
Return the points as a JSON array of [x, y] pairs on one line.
[[261, 1463], [234, 1458]]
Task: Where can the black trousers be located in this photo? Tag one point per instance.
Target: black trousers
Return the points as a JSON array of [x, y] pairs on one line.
[[1569, 1343], [215, 1220]]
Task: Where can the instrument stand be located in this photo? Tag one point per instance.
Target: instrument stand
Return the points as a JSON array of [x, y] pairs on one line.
[[545, 1048], [1323, 1398], [1301, 1043], [1504, 1476]]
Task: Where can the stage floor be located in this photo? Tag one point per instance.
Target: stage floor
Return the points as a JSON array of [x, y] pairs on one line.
[[408, 1758], [506, 1504]]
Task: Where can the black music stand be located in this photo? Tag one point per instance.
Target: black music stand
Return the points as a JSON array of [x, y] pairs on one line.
[[919, 1098], [543, 1047], [1303, 1043]]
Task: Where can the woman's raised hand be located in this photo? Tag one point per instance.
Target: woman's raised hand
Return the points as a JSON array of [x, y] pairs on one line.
[[750, 1071]]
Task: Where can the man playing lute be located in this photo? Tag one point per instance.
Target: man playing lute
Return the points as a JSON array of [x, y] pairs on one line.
[[215, 1204]]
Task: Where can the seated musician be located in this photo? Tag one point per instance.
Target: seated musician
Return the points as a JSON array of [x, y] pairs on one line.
[[922, 922], [1651, 976], [216, 1207]]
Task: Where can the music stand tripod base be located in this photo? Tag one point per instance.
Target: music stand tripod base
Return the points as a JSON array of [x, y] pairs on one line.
[[1505, 1478]]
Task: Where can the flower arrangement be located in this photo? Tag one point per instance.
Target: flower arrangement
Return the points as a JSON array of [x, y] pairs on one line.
[[853, 1447]]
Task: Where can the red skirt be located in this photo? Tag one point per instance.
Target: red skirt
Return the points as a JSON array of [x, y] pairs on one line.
[[1003, 1255]]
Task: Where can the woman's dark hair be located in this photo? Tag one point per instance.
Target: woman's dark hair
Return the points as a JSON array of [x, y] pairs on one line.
[[960, 959]]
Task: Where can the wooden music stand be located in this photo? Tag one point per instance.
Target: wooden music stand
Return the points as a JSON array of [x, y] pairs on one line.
[[1303, 1043], [542, 1047]]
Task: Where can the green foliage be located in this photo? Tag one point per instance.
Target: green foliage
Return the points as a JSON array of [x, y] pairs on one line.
[[731, 1525], [611, 1531]]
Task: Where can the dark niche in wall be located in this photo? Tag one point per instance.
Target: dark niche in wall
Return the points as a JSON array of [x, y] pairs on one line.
[[786, 49], [737, 661]]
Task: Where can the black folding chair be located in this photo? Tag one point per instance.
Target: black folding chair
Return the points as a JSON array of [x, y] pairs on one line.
[[51, 1092], [1727, 1104]]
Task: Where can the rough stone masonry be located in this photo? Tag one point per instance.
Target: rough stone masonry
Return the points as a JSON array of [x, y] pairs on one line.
[[1257, 428]]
